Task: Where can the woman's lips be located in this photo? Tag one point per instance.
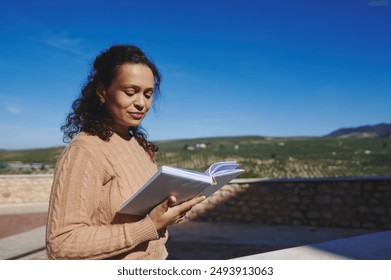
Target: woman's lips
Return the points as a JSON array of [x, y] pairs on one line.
[[136, 115]]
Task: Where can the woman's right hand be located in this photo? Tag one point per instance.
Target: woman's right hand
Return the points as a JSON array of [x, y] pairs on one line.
[[166, 214]]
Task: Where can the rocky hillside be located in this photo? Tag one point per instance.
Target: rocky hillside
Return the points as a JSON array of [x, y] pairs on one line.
[[379, 130]]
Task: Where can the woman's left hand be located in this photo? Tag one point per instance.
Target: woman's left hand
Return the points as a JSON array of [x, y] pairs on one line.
[[166, 214]]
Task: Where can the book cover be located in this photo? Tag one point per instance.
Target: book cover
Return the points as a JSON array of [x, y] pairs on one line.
[[182, 183]]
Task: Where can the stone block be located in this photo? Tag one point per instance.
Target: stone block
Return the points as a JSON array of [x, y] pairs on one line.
[[322, 199]]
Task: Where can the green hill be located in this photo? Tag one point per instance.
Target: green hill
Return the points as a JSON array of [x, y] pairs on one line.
[[29, 161], [285, 157], [261, 157]]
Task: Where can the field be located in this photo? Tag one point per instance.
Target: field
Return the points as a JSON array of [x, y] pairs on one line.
[[285, 157], [261, 157]]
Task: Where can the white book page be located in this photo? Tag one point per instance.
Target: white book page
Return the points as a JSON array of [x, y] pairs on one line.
[[221, 180], [221, 168], [190, 174]]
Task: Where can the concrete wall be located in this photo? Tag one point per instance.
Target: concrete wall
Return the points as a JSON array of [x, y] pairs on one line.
[[359, 202]]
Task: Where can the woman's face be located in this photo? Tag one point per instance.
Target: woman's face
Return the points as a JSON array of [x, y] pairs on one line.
[[129, 96]]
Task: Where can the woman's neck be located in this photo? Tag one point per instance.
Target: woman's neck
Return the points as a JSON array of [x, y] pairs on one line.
[[122, 132]]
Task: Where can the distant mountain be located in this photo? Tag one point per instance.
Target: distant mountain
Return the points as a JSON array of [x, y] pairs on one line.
[[378, 130]]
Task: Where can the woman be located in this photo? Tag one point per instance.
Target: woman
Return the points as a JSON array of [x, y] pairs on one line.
[[108, 159]]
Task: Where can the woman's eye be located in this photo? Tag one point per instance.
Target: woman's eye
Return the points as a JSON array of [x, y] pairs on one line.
[[129, 93], [148, 94]]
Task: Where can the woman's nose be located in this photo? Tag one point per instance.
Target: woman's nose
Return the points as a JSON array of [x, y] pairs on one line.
[[139, 103]]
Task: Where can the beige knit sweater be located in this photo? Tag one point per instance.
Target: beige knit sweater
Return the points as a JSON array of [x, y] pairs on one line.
[[92, 179]]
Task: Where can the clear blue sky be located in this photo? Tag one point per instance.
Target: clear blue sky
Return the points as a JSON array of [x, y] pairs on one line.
[[270, 68]]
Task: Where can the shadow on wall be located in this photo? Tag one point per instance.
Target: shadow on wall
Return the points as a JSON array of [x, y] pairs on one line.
[[361, 203]]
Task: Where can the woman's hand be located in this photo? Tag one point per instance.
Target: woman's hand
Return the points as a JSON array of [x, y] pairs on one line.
[[166, 214]]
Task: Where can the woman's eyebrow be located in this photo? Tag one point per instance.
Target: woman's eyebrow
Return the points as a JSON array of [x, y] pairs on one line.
[[136, 86], [130, 86]]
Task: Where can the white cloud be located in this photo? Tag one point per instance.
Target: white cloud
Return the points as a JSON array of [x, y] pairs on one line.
[[10, 104], [378, 3], [14, 109], [63, 42]]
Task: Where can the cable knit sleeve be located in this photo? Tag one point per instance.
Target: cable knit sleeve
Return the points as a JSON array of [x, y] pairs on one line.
[[71, 232]]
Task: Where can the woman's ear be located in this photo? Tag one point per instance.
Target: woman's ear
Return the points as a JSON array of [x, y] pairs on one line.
[[101, 93]]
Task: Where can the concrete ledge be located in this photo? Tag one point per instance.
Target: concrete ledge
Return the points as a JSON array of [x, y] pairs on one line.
[[24, 208], [374, 246], [20, 245], [314, 179], [12, 176]]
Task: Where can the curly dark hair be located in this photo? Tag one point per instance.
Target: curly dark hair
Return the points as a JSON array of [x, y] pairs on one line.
[[89, 116]]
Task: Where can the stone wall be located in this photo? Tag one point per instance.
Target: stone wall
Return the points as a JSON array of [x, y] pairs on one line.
[[359, 202], [336, 202], [25, 188]]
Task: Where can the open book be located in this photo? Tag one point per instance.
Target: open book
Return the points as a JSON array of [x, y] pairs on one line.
[[182, 183]]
